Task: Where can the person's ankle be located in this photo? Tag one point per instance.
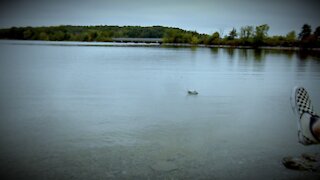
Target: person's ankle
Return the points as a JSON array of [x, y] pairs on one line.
[[316, 129]]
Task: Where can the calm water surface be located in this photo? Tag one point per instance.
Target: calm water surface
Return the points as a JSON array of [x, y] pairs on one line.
[[103, 112]]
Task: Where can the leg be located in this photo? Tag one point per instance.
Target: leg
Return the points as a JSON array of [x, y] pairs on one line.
[[316, 129], [308, 121], [308, 132]]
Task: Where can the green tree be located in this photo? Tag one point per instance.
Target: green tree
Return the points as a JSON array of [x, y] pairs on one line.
[[27, 34], [275, 41], [57, 36], [175, 35], [232, 34], [246, 35], [317, 32], [185, 38], [92, 35], [171, 36], [43, 36], [260, 34], [262, 30], [305, 32], [289, 39], [246, 32], [194, 40], [291, 36], [103, 37], [215, 35], [317, 37], [214, 38]]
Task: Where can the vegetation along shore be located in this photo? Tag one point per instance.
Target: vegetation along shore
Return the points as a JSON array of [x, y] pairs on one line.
[[247, 36]]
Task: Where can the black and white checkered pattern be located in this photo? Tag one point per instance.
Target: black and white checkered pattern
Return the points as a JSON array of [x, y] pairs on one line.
[[301, 105], [303, 102]]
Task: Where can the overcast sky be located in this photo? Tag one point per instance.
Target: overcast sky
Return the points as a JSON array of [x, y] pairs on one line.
[[204, 16]]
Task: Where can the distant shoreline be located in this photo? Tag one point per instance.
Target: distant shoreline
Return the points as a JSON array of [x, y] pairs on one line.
[[249, 37], [243, 47], [131, 44]]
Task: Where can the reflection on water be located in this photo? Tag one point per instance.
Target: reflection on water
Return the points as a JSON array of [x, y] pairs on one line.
[[124, 112], [230, 52], [304, 54]]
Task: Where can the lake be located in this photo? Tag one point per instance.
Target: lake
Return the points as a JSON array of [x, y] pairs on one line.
[[99, 111]]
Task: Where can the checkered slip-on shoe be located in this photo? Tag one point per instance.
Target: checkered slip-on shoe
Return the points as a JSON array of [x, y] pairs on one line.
[[306, 117]]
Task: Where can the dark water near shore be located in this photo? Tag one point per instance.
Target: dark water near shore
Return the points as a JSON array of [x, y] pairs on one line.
[[91, 112]]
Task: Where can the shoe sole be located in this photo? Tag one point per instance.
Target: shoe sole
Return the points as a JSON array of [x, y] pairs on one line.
[[294, 107]]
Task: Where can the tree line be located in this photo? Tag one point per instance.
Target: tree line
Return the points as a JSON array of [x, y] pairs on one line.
[[82, 33], [245, 36], [250, 36]]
